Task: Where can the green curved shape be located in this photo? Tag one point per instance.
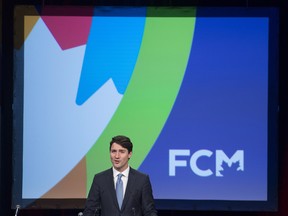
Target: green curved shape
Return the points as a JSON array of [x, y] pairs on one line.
[[152, 90]]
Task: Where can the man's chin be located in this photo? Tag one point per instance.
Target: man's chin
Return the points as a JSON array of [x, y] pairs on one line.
[[117, 167]]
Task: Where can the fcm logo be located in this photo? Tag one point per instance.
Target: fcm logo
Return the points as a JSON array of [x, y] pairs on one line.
[[220, 157]]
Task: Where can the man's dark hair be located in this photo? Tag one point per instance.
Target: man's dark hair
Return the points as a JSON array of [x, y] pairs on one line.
[[123, 141]]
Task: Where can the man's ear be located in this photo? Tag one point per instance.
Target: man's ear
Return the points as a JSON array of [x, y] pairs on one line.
[[130, 155]]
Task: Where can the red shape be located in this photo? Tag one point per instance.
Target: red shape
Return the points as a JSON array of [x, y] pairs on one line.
[[70, 26]]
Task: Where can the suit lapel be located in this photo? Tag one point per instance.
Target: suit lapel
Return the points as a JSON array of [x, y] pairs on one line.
[[129, 187], [112, 191]]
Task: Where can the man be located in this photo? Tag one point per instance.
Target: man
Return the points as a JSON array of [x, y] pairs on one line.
[[129, 193]]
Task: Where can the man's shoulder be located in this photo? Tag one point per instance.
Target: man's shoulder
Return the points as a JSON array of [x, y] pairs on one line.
[[103, 173], [137, 173]]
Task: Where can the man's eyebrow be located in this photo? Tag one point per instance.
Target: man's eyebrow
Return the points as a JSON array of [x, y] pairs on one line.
[[118, 149]]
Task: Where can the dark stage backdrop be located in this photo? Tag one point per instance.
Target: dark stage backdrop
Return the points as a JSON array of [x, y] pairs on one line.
[[6, 174]]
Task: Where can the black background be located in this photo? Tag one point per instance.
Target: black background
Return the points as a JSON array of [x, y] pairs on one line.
[[6, 92]]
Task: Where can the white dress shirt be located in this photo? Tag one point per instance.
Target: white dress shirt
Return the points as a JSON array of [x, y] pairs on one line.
[[124, 178]]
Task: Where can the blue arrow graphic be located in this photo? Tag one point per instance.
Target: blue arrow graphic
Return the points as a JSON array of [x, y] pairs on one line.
[[112, 50]]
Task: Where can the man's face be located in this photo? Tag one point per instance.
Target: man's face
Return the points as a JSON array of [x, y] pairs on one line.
[[119, 157]]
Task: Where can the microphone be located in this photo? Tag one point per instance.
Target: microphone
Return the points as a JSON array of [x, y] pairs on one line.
[[97, 211], [133, 210], [17, 210]]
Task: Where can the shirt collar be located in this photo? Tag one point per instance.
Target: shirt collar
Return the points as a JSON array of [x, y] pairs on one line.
[[125, 172]]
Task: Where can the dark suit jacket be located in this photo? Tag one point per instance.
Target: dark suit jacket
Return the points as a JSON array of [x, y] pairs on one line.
[[138, 199]]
